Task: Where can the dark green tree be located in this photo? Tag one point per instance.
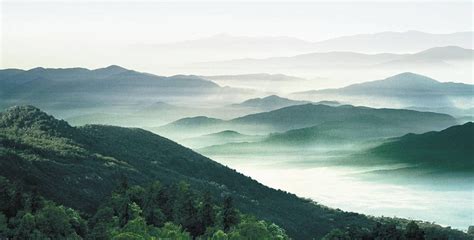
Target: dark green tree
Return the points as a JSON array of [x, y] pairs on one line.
[[413, 232], [186, 213], [230, 216]]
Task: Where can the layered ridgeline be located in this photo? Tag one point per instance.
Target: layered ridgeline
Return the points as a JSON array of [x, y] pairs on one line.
[[274, 102], [79, 88], [407, 90], [449, 149], [389, 122], [78, 167], [227, 136], [438, 56], [322, 63]]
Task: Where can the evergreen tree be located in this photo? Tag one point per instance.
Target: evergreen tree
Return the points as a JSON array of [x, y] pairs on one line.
[[207, 213], [413, 232], [229, 214], [186, 213]]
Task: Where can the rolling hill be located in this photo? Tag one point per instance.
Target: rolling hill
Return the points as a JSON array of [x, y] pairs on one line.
[[269, 103], [451, 148], [78, 166], [395, 122], [223, 137], [309, 115]]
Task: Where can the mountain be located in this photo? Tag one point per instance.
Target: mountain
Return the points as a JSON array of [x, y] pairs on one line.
[[438, 56], [403, 84], [308, 115], [338, 68], [451, 148], [396, 122], [253, 77], [404, 90], [338, 59], [269, 103], [271, 83], [408, 41], [113, 86], [360, 130], [223, 137], [225, 46], [79, 166], [196, 122]]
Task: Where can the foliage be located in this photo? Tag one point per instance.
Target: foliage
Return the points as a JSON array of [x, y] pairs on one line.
[[79, 167]]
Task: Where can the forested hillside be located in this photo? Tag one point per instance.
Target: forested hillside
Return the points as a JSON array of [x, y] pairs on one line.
[[79, 167]]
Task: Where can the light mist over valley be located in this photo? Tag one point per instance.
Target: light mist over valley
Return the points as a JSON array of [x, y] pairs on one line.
[[207, 121]]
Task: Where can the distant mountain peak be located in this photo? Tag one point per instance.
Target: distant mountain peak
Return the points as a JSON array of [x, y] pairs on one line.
[[198, 120], [410, 75], [112, 69], [115, 67], [411, 78], [268, 99]]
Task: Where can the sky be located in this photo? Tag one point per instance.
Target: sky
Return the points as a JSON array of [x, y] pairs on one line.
[[53, 33]]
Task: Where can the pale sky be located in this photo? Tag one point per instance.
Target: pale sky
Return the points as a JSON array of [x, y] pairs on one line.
[[35, 32]]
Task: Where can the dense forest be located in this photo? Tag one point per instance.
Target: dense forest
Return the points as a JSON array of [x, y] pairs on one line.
[[155, 211], [103, 182], [159, 211]]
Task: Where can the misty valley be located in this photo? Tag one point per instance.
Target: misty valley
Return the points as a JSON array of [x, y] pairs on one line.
[[193, 120], [397, 163]]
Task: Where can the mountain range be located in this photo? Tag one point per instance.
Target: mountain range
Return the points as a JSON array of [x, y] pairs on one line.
[[403, 90], [338, 68], [309, 115], [334, 59], [223, 137], [113, 87], [268, 103], [225, 46], [79, 166]]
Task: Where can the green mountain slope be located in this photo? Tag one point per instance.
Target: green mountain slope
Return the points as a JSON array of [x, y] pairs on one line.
[[451, 148], [78, 167]]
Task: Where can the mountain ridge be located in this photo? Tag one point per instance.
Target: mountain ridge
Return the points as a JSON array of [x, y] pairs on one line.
[[78, 171]]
